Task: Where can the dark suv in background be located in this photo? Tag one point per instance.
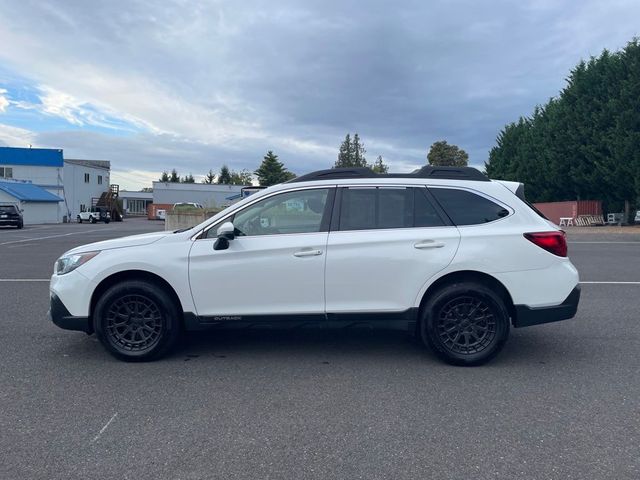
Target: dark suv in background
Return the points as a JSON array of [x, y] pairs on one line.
[[11, 215]]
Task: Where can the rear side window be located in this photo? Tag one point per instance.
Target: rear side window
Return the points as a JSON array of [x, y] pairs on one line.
[[386, 207], [467, 208]]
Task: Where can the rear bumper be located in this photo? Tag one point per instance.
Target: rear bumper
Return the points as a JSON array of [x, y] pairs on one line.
[[60, 316], [527, 316]]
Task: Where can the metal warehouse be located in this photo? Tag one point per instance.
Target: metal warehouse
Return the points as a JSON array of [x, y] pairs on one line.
[[29, 174]]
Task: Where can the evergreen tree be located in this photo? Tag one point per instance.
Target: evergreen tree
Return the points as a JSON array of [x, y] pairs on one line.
[[224, 177], [584, 144], [442, 154], [351, 153], [174, 178], [272, 171], [188, 179], [209, 177], [379, 166], [164, 177]]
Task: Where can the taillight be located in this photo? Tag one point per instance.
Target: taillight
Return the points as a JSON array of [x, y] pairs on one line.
[[554, 242]]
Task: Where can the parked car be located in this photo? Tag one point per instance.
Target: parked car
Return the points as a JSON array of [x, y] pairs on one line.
[[95, 214], [11, 215], [186, 206], [444, 253], [161, 214], [637, 217]]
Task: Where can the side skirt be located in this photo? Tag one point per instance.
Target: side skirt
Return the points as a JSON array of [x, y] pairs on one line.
[[405, 320]]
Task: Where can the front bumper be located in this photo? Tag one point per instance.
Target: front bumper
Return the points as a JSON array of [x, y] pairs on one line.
[[59, 315], [527, 316]]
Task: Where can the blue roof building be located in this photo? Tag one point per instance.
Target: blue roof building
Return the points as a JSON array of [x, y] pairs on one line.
[[28, 192]]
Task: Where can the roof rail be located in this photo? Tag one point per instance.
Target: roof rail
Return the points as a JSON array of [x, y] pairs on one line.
[[450, 173]]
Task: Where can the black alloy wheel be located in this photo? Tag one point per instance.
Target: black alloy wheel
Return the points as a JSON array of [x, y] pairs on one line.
[[465, 323], [134, 323], [137, 320]]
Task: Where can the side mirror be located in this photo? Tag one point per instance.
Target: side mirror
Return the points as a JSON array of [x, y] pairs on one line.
[[226, 232]]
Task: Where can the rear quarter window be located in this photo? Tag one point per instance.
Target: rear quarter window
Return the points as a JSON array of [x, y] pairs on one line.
[[468, 208]]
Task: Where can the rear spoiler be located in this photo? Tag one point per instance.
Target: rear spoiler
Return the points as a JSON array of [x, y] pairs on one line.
[[514, 187], [517, 188]]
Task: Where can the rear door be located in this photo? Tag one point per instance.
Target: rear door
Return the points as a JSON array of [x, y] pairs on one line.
[[385, 243]]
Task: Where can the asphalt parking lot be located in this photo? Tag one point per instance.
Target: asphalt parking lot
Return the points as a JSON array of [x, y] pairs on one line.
[[562, 401]]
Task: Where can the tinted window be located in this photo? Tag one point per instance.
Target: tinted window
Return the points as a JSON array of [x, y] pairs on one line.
[[8, 209], [466, 208], [382, 207], [293, 212]]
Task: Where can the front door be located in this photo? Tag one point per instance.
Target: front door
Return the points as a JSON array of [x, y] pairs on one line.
[[275, 264]]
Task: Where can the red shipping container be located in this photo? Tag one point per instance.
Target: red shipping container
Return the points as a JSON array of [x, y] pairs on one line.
[[556, 210]]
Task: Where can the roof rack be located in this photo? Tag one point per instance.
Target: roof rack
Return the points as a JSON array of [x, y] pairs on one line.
[[428, 171]]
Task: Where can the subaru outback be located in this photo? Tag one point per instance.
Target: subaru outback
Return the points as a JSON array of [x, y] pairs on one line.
[[445, 253]]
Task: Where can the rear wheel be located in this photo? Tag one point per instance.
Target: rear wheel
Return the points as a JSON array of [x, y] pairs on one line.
[[91, 219], [465, 323], [137, 321]]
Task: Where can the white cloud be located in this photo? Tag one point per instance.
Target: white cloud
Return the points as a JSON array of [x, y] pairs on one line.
[[15, 137], [4, 101]]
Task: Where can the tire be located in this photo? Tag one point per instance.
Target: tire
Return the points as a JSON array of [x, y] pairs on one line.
[[127, 334], [91, 219], [79, 219], [465, 323], [20, 225], [107, 221]]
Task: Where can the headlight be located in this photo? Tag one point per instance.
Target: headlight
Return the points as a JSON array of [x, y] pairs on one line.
[[69, 263]]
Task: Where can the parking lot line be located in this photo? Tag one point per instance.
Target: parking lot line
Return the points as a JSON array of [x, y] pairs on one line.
[[50, 236], [604, 242], [24, 279], [612, 283]]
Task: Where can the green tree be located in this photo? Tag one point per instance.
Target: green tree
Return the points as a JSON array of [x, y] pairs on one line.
[[272, 171], [242, 177], [164, 177], [583, 144], [224, 177], [209, 177], [188, 179], [379, 166], [441, 154], [174, 178], [351, 153]]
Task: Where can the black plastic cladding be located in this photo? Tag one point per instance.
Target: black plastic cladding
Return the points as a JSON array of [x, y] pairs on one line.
[[450, 173]]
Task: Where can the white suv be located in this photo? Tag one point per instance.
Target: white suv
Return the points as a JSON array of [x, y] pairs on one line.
[[444, 252]]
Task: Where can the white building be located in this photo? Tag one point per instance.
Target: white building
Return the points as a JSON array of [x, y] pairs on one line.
[[37, 204], [84, 180], [209, 195], [135, 203], [75, 182]]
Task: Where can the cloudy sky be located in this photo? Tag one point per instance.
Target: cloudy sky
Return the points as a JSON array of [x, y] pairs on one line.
[[193, 85]]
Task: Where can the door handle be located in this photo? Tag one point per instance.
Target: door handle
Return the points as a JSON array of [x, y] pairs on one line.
[[307, 253], [424, 244]]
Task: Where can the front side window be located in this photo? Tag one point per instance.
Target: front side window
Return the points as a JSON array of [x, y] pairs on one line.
[[467, 208], [367, 208], [301, 211]]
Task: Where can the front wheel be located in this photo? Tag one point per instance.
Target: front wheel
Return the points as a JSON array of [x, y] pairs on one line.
[[465, 323], [137, 321], [79, 219], [92, 220]]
